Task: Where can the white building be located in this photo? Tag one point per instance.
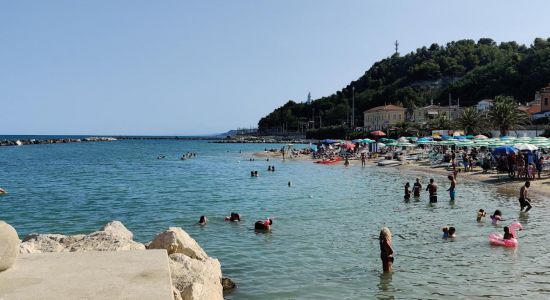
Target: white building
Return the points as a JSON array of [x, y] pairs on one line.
[[484, 105]]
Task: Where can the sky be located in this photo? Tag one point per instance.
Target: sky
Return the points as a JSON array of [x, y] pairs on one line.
[[116, 67]]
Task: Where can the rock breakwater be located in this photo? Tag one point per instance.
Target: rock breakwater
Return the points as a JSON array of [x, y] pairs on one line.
[[194, 274]]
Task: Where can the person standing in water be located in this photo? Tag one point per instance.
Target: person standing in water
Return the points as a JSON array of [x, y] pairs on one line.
[[386, 249], [451, 190], [432, 189], [524, 200], [416, 188], [364, 160], [407, 191], [346, 163]]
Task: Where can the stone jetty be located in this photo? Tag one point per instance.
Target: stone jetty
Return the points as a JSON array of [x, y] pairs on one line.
[[54, 141], [192, 273]]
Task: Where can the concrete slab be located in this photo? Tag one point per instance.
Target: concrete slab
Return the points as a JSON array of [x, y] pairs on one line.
[[88, 275]]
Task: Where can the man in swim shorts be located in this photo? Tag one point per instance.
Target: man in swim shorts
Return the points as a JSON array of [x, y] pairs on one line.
[[416, 188], [432, 189], [524, 201]]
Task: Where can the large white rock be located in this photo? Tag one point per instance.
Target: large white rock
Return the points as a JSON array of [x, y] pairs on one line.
[[196, 279], [112, 237], [9, 244], [118, 230], [176, 240]]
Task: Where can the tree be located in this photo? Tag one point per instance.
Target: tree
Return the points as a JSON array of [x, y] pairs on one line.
[[471, 121], [439, 123], [405, 128], [505, 115]]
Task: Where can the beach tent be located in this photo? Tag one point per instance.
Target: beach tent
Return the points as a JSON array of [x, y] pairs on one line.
[[505, 150], [526, 147]]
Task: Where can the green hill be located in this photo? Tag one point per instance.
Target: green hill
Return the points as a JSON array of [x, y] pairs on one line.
[[468, 70]]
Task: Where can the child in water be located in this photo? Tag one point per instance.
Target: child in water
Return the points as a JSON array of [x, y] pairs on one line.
[[203, 220], [407, 191], [480, 214], [497, 216], [507, 234], [452, 231], [445, 232]]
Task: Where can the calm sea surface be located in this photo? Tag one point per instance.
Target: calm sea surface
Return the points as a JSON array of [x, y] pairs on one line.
[[323, 243]]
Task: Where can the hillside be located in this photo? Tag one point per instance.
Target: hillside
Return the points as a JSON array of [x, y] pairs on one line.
[[468, 70]]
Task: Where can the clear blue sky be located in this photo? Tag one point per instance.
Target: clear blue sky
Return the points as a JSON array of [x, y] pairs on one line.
[[194, 67]]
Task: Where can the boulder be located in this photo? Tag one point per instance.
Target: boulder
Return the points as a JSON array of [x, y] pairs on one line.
[[196, 279], [104, 241], [228, 284], [9, 244], [118, 230], [176, 240]]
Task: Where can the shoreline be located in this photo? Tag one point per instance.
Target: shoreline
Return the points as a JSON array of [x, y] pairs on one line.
[[540, 188]]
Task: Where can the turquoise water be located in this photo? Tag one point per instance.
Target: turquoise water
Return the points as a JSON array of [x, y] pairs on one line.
[[323, 245]]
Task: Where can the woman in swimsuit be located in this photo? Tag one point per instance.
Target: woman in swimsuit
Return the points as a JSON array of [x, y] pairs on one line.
[[386, 250]]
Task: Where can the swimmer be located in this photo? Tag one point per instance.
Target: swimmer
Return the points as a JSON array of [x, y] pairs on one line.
[[497, 216], [416, 188], [480, 214], [235, 217], [407, 191], [386, 249], [445, 232], [251, 173], [272, 168], [289, 184], [269, 168], [263, 225], [451, 189], [432, 189], [524, 201], [3, 191], [507, 234], [203, 220], [452, 231], [256, 174]]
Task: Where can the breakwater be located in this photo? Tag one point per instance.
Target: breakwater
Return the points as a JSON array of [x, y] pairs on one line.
[[21, 142]]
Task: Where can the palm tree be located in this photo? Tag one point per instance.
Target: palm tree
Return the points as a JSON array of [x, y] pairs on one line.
[[471, 121], [440, 122], [405, 128], [505, 115]]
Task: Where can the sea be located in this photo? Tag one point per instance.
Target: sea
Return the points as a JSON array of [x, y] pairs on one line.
[[326, 223]]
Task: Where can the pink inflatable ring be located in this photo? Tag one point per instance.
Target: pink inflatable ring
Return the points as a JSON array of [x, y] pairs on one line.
[[496, 239]]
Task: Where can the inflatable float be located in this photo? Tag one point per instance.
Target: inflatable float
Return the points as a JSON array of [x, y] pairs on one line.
[[329, 161], [496, 239]]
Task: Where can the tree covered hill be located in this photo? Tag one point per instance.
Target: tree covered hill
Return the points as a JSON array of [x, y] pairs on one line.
[[469, 71]]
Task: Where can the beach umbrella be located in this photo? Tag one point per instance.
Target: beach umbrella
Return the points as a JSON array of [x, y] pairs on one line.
[[348, 146], [368, 141], [526, 147], [380, 145], [378, 133], [505, 150], [459, 137], [402, 140], [413, 138], [405, 144], [328, 141], [358, 141], [470, 137], [480, 137]]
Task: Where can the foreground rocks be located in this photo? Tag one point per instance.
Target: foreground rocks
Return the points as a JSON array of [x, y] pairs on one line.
[[9, 243], [194, 274]]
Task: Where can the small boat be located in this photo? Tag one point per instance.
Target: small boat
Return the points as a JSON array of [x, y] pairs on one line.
[[388, 163]]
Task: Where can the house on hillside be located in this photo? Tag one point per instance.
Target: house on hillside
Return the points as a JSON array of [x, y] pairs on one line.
[[424, 114], [382, 117], [543, 98], [484, 105]]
